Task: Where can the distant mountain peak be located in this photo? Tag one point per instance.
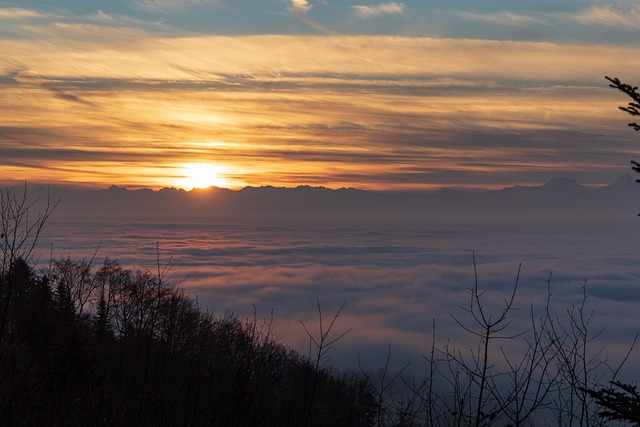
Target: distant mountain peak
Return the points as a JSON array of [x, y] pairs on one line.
[[624, 184], [556, 187], [625, 180], [562, 183]]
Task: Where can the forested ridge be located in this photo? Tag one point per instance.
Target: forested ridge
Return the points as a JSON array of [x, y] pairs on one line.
[[123, 347]]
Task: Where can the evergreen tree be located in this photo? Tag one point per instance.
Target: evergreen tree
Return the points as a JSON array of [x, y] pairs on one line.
[[632, 108]]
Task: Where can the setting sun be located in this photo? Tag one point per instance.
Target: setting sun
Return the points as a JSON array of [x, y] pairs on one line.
[[200, 175]]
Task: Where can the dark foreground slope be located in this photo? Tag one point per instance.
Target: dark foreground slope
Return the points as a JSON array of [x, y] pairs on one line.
[[147, 355]]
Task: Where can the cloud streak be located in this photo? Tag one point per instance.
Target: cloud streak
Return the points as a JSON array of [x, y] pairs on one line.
[[390, 8], [103, 52], [610, 16], [19, 13], [172, 6], [501, 18], [400, 134]]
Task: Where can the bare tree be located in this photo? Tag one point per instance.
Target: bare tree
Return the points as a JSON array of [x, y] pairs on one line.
[[581, 366], [320, 344], [21, 223], [516, 375], [387, 386], [478, 367], [74, 284]]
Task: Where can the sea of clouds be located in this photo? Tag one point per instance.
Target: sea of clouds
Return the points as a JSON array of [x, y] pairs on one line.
[[397, 278]]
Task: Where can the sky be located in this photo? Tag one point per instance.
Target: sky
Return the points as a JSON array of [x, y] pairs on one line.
[[382, 95]]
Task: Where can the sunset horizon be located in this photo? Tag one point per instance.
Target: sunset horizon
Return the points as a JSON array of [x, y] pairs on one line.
[[372, 96], [318, 212]]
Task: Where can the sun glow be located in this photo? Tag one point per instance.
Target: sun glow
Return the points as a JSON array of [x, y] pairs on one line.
[[200, 175]]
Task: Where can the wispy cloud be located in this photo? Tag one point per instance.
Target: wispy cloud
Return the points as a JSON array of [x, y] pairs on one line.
[[169, 6], [31, 78], [19, 13], [501, 18], [107, 52], [300, 6], [390, 8], [610, 16]]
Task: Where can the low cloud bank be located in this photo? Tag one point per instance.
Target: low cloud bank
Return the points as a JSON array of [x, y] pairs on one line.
[[399, 267]]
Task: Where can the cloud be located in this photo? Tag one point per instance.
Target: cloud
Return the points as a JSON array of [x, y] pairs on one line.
[[361, 111], [610, 16], [394, 301], [106, 52], [300, 6], [391, 8], [32, 78], [172, 6], [502, 18], [19, 13], [411, 110]]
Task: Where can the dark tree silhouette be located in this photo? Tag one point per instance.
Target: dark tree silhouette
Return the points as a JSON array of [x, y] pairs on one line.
[[633, 108], [109, 346], [621, 402]]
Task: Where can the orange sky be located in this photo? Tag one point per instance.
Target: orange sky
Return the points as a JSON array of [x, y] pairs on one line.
[[100, 103]]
